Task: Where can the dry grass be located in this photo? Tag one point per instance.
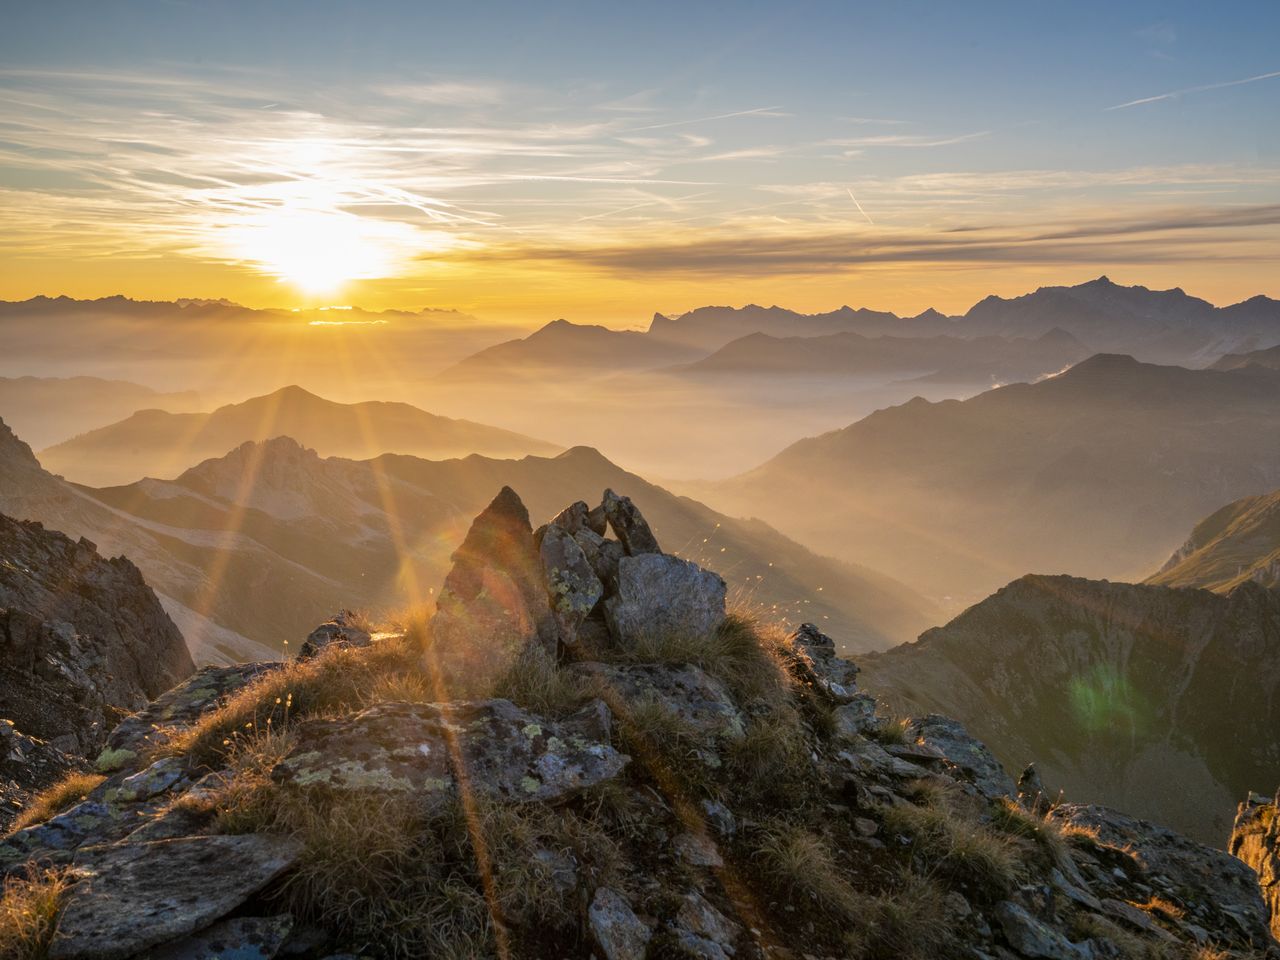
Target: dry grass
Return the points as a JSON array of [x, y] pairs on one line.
[[908, 921], [669, 749], [953, 846], [894, 730], [29, 913], [538, 684], [801, 867], [1044, 834], [771, 764], [51, 801]]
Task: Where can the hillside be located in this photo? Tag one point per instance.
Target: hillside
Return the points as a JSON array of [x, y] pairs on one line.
[[48, 410], [1239, 543], [157, 443], [1269, 358], [1097, 472], [677, 781], [1162, 702]]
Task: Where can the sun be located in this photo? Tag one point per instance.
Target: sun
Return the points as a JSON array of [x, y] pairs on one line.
[[321, 250]]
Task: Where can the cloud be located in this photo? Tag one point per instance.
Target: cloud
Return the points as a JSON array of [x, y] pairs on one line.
[[1174, 94], [451, 94]]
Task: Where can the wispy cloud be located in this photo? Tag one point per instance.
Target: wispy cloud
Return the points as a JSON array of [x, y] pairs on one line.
[[1175, 94]]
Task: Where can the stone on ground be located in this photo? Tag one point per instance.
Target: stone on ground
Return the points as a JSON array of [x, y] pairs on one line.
[[660, 596]]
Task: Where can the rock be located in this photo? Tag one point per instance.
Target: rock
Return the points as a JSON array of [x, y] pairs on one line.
[[241, 938], [180, 707], [573, 518], [969, 757], [398, 747], [702, 930], [138, 895], [865, 827], [918, 752], [1031, 790], [598, 521], [493, 601], [603, 555], [1255, 840], [619, 933], [1219, 885], [698, 850], [83, 639], [694, 696], [1032, 938], [856, 719], [27, 766], [719, 818], [1131, 915], [160, 777], [814, 663], [343, 630], [661, 596], [629, 526], [573, 589]]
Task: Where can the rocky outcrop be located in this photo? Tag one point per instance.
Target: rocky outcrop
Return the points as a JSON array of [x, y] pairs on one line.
[[514, 586], [83, 643], [1255, 839], [343, 628], [1116, 691]]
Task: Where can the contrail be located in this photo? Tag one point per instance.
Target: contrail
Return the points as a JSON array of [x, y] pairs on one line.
[[1207, 86], [859, 206]]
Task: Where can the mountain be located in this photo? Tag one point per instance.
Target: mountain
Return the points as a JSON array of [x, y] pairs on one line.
[[247, 550], [709, 328], [1096, 472], [943, 358], [1239, 543], [161, 444], [1269, 358], [715, 789], [1163, 702], [565, 346], [48, 410]]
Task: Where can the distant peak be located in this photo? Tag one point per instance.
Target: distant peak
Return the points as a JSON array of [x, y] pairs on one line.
[[1103, 363]]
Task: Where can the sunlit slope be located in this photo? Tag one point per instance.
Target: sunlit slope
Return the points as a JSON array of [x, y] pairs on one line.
[[1163, 702], [1097, 472], [1238, 543], [159, 444]]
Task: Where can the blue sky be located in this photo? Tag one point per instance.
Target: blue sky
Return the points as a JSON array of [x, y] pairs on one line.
[[516, 139]]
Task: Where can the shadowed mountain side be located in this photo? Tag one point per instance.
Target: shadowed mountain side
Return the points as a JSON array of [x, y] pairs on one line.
[[159, 444], [47, 410], [1161, 701], [1239, 543], [1098, 472], [1269, 358]]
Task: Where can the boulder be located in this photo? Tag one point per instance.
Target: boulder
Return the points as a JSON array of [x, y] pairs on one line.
[[659, 596], [970, 759], [619, 933], [134, 896], [342, 629], [494, 601], [603, 555], [690, 693], [814, 663], [573, 518], [573, 589], [1255, 840], [629, 525], [1033, 938], [703, 931], [240, 938], [856, 719], [405, 748]]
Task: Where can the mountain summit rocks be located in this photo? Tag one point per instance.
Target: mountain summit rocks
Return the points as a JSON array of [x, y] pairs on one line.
[[512, 586]]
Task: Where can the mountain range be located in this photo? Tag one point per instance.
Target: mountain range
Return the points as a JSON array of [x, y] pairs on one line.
[[251, 549], [1161, 701], [1097, 472], [1269, 357], [161, 444]]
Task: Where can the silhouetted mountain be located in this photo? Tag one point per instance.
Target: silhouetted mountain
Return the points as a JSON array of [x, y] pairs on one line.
[[944, 358], [709, 328], [160, 444], [1161, 701], [47, 410], [1239, 543], [1269, 358], [1098, 472]]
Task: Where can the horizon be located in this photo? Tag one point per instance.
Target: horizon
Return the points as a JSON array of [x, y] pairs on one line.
[[416, 157]]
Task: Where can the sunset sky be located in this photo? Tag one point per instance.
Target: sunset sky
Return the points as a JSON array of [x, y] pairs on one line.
[[602, 161]]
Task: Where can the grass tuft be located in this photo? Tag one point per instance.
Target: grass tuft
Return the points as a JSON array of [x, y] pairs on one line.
[[51, 801], [952, 846], [29, 913]]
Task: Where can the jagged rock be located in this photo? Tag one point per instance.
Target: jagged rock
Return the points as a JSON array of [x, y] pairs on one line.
[[1033, 938], [1255, 839], [573, 518], [138, 895], [1220, 886], [698, 850], [702, 930], [598, 520], [691, 694], [971, 758], [27, 765], [603, 555], [343, 629], [400, 747], [814, 662], [83, 639], [856, 719], [629, 526], [619, 933], [719, 818], [178, 708], [493, 601], [1031, 790], [573, 589], [240, 938], [658, 596]]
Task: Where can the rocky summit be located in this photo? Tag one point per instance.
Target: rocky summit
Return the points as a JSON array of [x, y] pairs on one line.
[[583, 753]]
